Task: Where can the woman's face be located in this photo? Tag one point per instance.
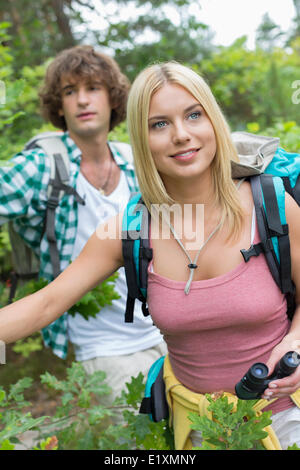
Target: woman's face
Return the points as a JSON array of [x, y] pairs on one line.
[[181, 137]]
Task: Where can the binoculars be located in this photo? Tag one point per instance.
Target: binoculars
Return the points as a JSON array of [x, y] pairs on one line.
[[256, 380]]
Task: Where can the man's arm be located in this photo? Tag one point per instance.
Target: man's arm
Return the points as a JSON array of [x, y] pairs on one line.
[[22, 186]]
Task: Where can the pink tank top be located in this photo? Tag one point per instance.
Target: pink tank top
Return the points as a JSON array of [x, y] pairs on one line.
[[224, 325]]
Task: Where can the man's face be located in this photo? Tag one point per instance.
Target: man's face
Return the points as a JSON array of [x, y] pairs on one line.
[[85, 107]]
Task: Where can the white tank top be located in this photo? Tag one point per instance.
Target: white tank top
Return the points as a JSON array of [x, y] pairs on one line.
[[107, 334]]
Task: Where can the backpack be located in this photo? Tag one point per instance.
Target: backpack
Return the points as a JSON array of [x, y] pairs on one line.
[[24, 260], [154, 403], [271, 171]]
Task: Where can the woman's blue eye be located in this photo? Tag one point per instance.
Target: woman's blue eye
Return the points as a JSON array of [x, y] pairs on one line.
[[159, 124], [195, 115]]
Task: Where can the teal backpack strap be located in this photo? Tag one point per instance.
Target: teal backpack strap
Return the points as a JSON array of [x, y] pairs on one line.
[[269, 200], [154, 403], [136, 253]]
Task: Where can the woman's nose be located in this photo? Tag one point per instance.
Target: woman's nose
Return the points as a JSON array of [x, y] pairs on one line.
[[180, 133]]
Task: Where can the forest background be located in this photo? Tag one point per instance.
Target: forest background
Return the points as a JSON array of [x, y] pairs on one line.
[[258, 90]]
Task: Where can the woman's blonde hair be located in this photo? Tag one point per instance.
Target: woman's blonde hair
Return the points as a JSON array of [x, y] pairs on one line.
[[151, 185]]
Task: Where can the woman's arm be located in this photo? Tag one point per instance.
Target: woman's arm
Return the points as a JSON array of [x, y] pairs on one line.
[[291, 342], [98, 260]]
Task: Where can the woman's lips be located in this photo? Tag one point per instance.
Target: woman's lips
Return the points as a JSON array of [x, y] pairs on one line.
[[187, 155]]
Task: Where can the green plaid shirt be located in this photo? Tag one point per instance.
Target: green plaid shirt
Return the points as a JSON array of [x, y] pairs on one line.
[[23, 198]]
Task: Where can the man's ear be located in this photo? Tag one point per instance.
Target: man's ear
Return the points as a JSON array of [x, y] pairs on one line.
[[60, 112]]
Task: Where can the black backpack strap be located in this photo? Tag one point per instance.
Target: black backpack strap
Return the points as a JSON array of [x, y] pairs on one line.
[[269, 225], [133, 291], [57, 185], [145, 407], [295, 191], [265, 246], [145, 256], [15, 278]]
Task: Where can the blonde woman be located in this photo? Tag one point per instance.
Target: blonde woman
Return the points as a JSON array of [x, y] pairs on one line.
[[221, 315]]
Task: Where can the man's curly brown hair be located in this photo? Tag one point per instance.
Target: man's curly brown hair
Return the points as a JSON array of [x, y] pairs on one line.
[[83, 63]]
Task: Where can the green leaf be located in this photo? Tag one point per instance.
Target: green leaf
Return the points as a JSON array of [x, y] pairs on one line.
[[135, 390], [228, 429], [51, 381], [97, 413], [2, 395], [293, 447], [16, 390], [6, 445], [66, 398]]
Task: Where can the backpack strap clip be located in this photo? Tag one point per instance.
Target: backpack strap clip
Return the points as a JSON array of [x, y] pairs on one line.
[[256, 250]]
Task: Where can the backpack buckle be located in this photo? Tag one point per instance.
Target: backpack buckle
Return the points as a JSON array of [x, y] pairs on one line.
[[52, 203], [254, 250]]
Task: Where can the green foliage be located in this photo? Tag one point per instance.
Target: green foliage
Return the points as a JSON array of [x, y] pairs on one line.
[[3, 295], [293, 447], [13, 421], [253, 85], [92, 302], [19, 114], [229, 429], [288, 132], [48, 444], [36, 36], [5, 261], [26, 346], [139, 432], [80, 421], [119, 134]]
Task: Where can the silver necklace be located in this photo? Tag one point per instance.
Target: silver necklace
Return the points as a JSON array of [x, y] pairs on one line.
[[193, 264], [102, 189]]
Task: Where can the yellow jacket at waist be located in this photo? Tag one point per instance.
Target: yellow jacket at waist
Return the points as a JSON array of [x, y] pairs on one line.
[[182, 402]]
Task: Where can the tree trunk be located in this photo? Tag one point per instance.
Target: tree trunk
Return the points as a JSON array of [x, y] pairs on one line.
[[63, 22]]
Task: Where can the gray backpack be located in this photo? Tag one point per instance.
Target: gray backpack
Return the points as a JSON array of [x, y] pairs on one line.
[[25, 263]]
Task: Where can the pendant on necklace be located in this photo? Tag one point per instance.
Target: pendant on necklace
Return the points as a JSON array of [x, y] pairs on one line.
[[193, 266], [101, 191]]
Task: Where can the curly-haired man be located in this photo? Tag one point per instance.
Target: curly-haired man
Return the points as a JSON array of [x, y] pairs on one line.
[[84, 95]]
